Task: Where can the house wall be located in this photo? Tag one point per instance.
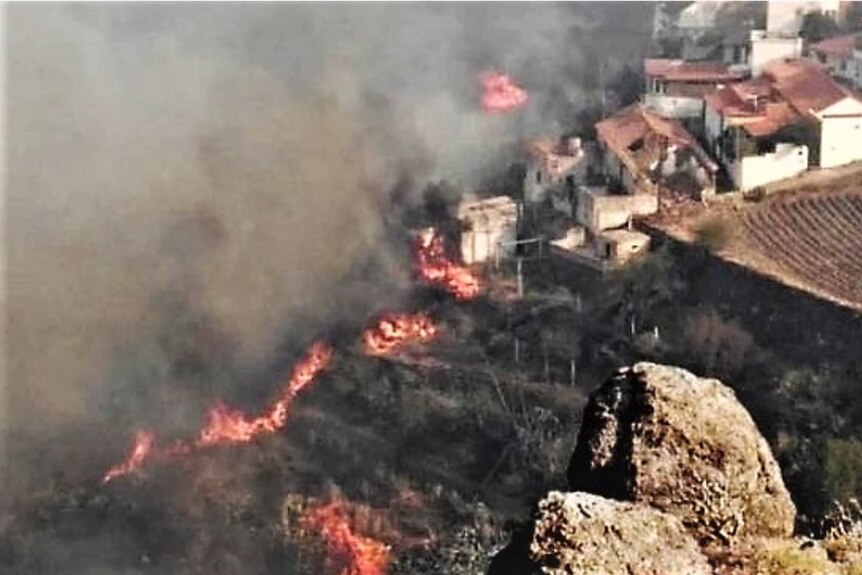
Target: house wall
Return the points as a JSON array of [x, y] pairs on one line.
[[840, 140], [598, 212], [787, 161], [765, 49], [713, 126], [674, 106]]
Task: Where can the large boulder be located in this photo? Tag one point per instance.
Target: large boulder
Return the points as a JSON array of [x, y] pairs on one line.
[[661, 436], [590, 535]]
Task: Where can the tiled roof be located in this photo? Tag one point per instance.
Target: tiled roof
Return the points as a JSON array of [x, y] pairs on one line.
[[684, 71], [625, 129], [840, 46], [805, 84]]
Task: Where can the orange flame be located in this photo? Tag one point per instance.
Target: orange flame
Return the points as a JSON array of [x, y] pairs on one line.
[[227, 425], [395, 330], [435, 267], [141, 450], [348, 553], [500, 94]]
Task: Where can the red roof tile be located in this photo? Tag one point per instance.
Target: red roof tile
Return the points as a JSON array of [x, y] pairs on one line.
[[635, 123], [683, 71]]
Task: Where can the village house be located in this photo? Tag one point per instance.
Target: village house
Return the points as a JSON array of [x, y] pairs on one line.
[[830, 112], [838, 54], [641, 149], [552, 168], [489, 229], [775, 126], [675, 88]]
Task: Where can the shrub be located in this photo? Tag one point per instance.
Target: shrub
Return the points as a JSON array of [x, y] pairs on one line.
[[843, 468], [755, 195], [713, 234], [718, 346]]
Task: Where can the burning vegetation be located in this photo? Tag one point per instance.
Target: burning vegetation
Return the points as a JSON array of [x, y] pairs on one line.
[[347, 553], [433, 266], [226, 425], [500, 94], [394, 331]]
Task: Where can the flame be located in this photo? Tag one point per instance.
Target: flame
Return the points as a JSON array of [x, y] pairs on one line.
[[348, 553], [141, 450], [500, 93], [227, 425], [395, 330], [435, 267]]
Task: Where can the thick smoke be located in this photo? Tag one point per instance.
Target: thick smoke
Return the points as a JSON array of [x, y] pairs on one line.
[[190, 186]]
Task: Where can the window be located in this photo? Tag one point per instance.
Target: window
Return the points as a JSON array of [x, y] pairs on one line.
[[658, 86], [539, 177]]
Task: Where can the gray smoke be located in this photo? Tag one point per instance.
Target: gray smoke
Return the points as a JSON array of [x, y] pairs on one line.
[[190, 185]]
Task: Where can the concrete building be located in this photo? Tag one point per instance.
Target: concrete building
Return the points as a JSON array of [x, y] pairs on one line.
[[640, 148], [599, 210], [766, 47], [552, 168], [489, 228]]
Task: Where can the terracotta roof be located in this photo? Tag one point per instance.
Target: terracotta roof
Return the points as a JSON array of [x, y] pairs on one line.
[[684, 71], [754, 106], [787, 90], [780, 70], [634, 135], [805, 84], [841, 46]]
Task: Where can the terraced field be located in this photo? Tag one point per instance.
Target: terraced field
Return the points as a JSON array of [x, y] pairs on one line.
[[813, 242]]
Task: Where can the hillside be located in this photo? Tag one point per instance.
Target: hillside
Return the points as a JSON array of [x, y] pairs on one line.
[[806, 233]]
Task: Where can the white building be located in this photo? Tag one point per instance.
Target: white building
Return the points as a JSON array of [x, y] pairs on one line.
[[786, 16], [489, 229], [773, 127], [828, 109], [766, 47]]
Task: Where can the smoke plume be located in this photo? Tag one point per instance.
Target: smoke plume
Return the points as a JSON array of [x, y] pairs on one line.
[[191, 186]]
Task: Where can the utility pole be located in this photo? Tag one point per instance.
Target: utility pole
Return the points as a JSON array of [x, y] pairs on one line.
[[520, 278]]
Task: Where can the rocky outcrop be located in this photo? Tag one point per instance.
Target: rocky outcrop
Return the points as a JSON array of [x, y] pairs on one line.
[[669, 470], [661, 436], [590, 535]]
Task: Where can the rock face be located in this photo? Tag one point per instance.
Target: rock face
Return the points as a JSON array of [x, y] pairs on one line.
[[590, 535], [663, 437], [585, 534]]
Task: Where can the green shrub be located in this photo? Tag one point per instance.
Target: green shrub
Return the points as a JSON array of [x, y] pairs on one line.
[[713, 234], [843, 468], [755, 195]]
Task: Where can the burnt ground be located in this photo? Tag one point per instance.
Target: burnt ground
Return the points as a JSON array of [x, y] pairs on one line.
[[441, 448], [456, 434]]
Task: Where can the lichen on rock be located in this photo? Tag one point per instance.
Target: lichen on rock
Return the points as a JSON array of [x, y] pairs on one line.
[[664, 437]]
